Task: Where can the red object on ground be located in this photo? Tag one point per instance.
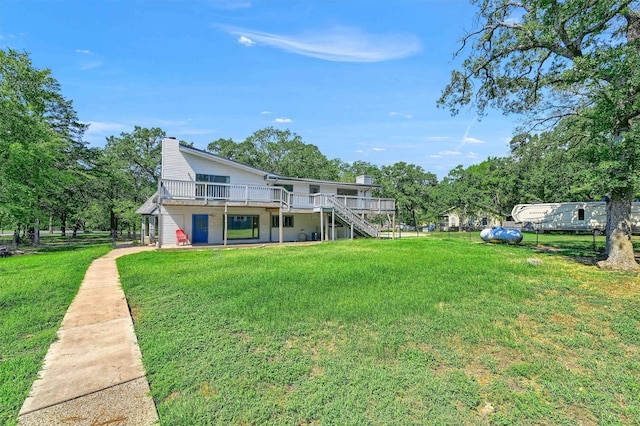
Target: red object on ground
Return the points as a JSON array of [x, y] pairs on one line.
[[181, 237]]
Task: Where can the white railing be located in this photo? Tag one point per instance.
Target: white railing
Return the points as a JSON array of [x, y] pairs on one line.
[[189, 190], [346, 214]]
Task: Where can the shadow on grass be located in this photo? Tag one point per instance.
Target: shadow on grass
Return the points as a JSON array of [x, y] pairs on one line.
[[583, 249]]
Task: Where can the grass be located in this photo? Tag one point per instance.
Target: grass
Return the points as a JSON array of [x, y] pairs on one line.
[[412, 331], [35, 292], [58, 242]]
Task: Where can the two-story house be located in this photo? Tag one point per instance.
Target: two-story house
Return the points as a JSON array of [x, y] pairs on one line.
[[217, 201]]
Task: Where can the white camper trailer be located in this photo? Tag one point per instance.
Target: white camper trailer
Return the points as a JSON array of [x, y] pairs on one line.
[[576, 216]]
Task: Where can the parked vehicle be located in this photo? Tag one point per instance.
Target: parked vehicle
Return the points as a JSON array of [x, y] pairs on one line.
[[575, 216]]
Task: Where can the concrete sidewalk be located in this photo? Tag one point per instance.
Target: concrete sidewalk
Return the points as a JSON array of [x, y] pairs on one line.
[[93, 373]]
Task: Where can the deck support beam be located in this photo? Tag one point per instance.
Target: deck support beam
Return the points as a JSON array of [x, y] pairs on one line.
[[226, 224], [280, 226]]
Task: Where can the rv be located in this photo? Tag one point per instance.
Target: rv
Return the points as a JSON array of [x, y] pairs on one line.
[[575, 216]]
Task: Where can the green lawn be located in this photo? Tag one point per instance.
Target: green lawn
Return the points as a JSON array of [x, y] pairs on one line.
[[415, 331], [35, 292]]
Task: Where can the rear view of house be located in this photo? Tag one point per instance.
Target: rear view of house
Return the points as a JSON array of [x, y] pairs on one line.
[[213, 200]]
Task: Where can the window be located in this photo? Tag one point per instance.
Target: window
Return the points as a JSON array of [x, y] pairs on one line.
[[212, 191], [314, 189], [243, 227], [287, 221], [348, 192], [285, 186], [580, 214]]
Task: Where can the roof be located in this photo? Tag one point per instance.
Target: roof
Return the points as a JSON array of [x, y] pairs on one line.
[[267, 175], [150, 207]]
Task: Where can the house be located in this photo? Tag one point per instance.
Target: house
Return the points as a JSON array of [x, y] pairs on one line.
[[452, 219], [214, 200], [588, 216]]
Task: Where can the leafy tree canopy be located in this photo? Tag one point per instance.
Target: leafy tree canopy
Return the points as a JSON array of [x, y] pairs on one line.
[[551, 60], [278, 151]]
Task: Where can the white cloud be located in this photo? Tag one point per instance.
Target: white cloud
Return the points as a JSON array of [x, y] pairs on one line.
[[472, 154], [98, 131], [399, 114], [341, 44], [448, 152], [469, 140], [265, 112], [435, 156], [378, 149], [103, 127], [83, 51], [283, 120], [246, 41]]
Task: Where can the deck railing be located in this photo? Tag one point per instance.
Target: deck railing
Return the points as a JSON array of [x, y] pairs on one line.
[[189, 190]]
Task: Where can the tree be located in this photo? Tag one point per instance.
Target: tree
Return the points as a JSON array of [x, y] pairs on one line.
[[131, 168], [553, 59], [411, 186], [278, 151], [550, 167], [41, 143]]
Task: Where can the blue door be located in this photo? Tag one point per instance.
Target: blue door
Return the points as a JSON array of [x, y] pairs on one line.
[[200, 229]]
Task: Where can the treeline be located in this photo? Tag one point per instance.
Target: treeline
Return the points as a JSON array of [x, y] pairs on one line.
[[49, 174]]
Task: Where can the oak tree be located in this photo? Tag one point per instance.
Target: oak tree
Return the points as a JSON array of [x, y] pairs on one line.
[[553, 59]]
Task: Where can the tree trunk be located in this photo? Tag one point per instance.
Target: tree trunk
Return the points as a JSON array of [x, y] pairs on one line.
[[63, 224], [619, 249]]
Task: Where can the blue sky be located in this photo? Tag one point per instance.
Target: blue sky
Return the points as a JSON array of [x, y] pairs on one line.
[[358, 79]]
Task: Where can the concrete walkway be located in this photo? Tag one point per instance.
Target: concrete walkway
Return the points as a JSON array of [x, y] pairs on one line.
[[93, 373]]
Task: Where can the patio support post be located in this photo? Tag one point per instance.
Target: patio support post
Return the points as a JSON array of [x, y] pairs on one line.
[[159, 206], [280, 224], [333, 224], [226, 224], [152, 228], [142, 229], [351, 230], [321, 225]]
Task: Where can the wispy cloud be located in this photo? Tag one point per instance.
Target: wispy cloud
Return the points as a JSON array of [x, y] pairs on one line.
[[466, 139], [103, 127], [437, 138], [449, 152], [265, 112], [98, 131], [341, 44], [283, 120], [378, 149], [84, 51], [246, 41], [90, 65], [469, 140], [399, 114]]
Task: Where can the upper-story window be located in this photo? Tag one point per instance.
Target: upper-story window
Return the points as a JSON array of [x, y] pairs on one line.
[[348, 192], [314, 189], [285, 186], [212, 178], [211, 190], [580, 214]]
